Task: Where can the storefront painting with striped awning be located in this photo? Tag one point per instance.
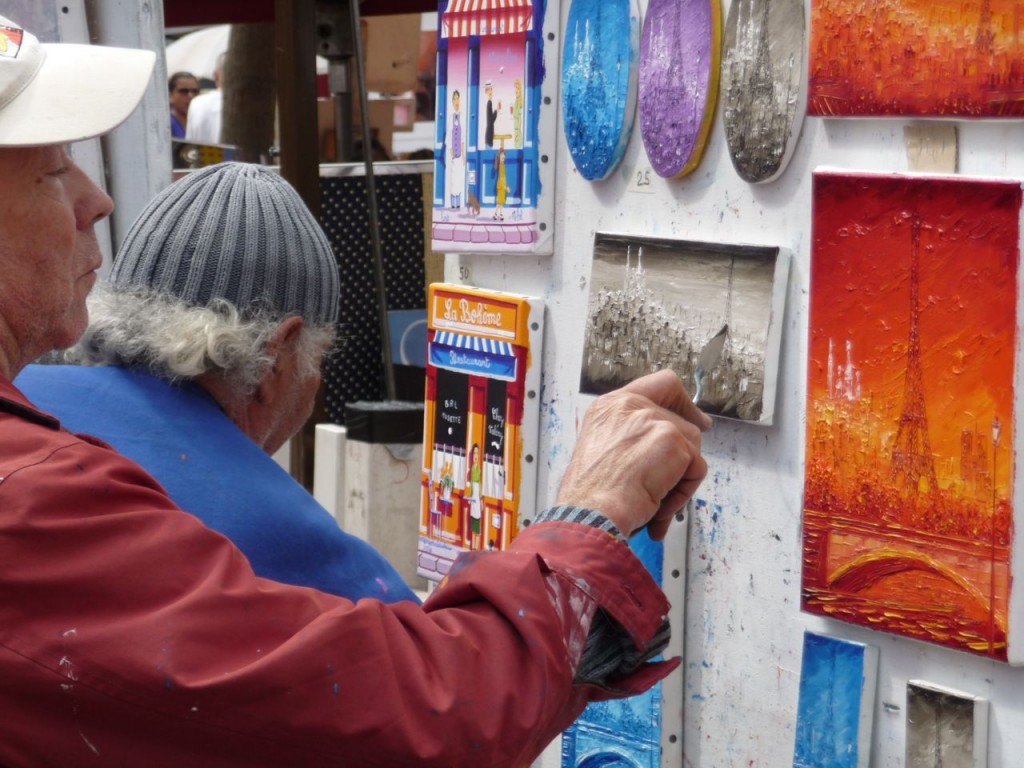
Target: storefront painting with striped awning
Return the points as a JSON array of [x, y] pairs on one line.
[[490, 169]]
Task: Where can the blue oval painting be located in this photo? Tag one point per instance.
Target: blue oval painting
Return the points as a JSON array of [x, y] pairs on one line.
[[599, 77], [680, 54]]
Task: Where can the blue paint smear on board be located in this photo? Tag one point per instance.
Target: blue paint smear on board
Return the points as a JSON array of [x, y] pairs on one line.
[[707, 518], [828, 718], [624, 733], [599, 64]]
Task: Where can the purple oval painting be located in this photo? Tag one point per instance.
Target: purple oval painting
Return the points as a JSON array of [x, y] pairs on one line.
[[599, 71], [762, 76], [680, 55]]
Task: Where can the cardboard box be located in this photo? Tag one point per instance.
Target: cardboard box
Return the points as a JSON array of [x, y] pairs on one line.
[[382, 124], [392, 51]]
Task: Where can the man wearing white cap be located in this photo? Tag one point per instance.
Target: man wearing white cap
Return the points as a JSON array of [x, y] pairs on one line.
[[131, 634]]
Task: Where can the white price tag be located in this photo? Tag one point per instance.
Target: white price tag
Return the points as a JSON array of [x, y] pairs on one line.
[[641, 179]]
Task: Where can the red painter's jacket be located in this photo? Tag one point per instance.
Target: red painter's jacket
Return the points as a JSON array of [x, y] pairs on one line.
[[131, 635]]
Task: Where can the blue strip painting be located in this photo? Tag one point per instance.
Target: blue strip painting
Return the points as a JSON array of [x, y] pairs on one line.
[[837, 692], [599, 82], [624, 733]]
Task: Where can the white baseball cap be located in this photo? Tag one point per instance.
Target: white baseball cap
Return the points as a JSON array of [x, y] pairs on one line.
[[57, 93]]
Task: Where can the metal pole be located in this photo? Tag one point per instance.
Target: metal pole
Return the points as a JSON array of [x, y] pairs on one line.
[[371, 191], [295, 33]]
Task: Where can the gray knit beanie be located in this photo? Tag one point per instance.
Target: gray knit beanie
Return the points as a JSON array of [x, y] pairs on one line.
[[233, 231]]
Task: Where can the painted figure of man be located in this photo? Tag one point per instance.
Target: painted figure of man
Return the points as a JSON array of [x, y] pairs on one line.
[[492, 114]]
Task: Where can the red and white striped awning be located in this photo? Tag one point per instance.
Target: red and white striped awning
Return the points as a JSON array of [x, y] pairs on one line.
[[475, 343], [487, 17]]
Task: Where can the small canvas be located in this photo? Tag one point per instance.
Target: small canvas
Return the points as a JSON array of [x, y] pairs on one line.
[[909, 474], [599, 81], [836, 709], [945, 728], [494, 142], [680, 63], [921, 58], [712, 312], [763, 87], [480, 424]]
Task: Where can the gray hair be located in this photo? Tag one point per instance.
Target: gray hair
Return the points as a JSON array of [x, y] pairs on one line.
[[149, 330]]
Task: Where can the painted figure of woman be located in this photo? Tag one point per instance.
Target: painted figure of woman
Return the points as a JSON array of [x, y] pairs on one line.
[[456, 155], [501, 189], [517, 115], [475, 499]]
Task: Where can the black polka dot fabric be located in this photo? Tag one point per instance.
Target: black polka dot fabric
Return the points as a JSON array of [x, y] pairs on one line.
[[356, 370]]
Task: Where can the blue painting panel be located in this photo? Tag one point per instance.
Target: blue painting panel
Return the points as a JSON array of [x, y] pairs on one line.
[[837, 684], [599, 82], [624, 733]]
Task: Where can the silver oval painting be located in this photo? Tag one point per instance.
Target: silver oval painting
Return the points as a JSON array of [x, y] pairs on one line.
[[763, 90], [680, 57], [599, 76]]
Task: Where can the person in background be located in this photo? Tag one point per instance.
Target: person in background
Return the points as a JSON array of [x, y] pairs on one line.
[[204, 113], [183, 88], [132, 634], [209, 338]]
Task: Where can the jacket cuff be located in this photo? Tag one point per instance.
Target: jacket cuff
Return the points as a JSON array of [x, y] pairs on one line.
[[612, 652], [567, 513]]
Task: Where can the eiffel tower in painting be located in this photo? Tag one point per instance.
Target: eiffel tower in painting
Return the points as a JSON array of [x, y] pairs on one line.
[[984, 37], [762, 82], [912, 459]]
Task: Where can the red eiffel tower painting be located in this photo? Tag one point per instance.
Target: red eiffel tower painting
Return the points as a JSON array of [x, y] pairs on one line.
[[909, 471]]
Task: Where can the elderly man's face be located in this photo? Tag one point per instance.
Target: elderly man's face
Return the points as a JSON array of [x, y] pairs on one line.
[[48, 252]]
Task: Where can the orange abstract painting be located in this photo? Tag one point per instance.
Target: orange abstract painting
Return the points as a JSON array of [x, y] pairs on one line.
[[927, 58], [910, 461]]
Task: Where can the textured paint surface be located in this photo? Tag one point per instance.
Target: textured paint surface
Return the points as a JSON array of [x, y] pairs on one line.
[[762, 69], [937, 58], [599, 66], [910, 421], [837, 685], [625, 733], [944, 728], [680, 55], [664, 304]]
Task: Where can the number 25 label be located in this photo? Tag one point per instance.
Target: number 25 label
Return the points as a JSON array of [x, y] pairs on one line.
[[641, 180]]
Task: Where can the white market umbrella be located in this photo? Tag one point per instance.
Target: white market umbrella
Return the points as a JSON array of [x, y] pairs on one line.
[[197, 52]]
